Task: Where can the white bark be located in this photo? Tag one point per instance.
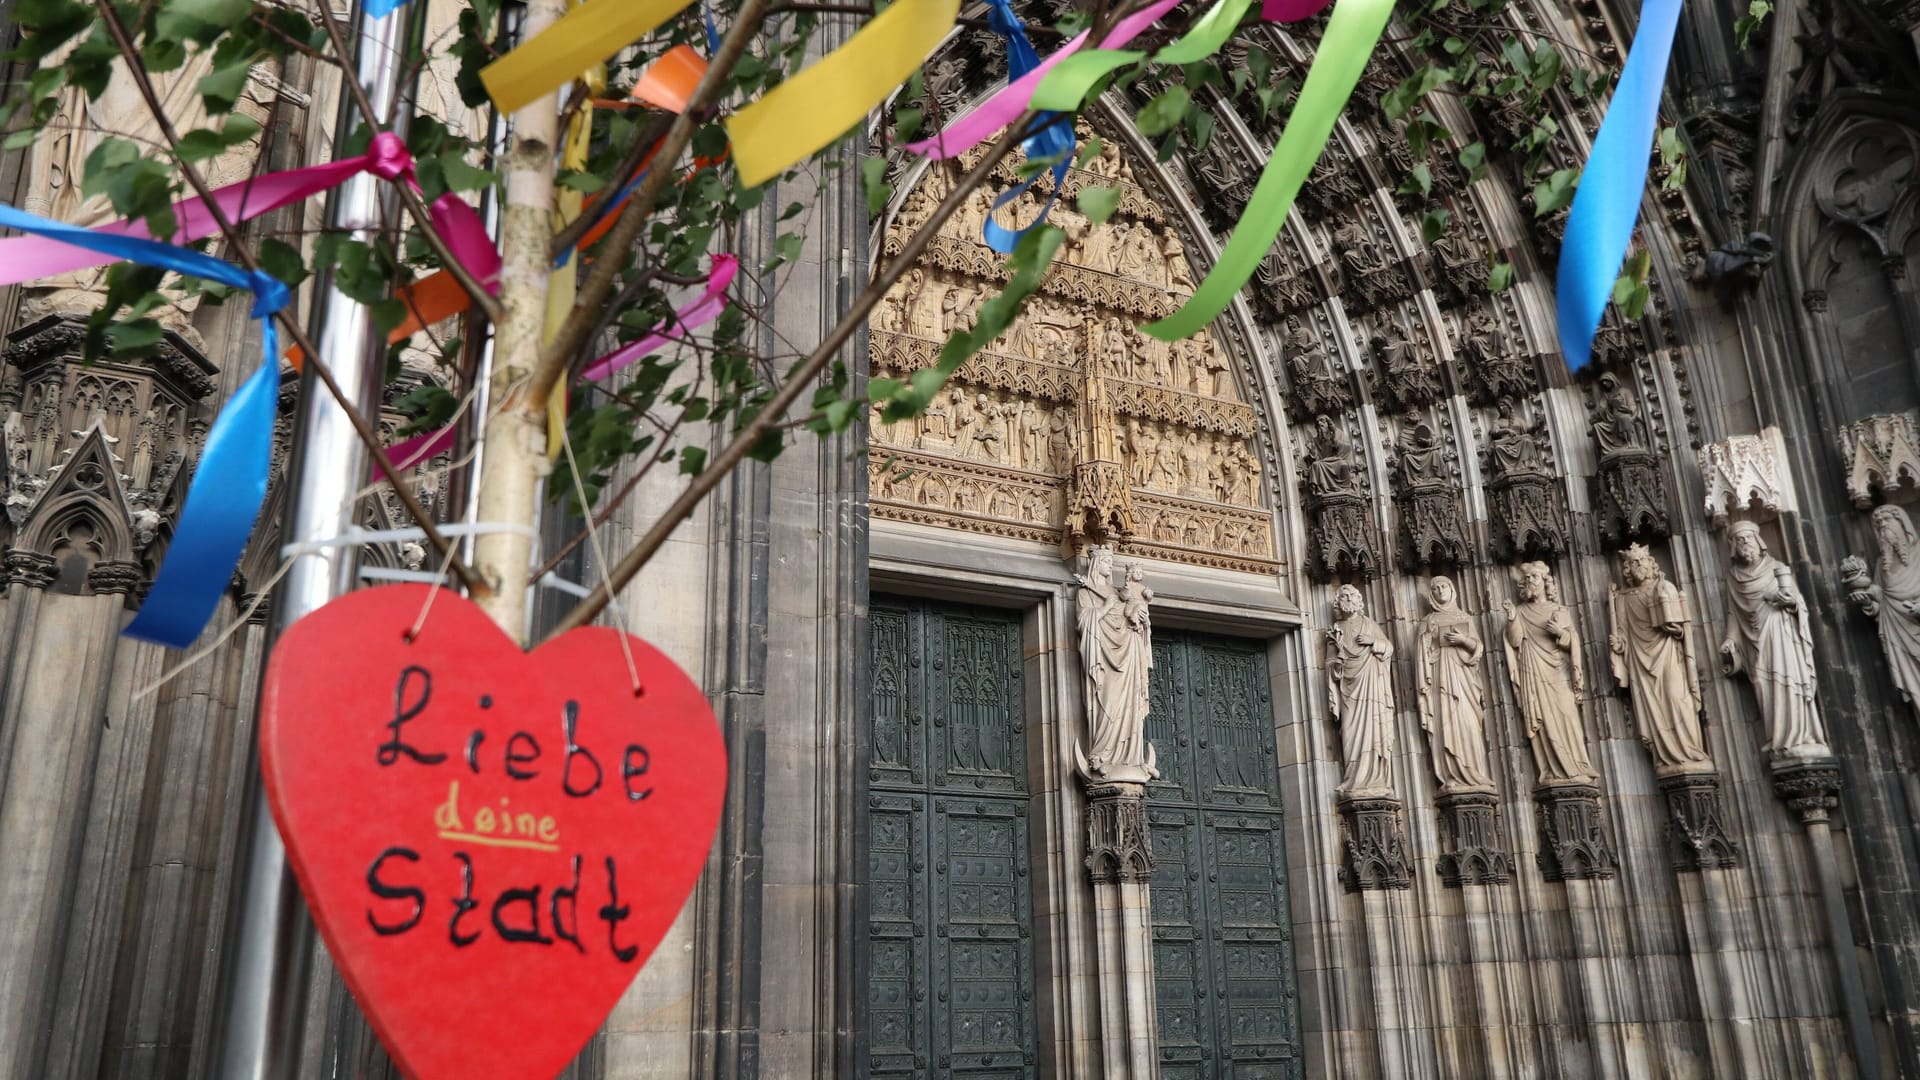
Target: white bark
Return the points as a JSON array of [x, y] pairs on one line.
[[516, 458]]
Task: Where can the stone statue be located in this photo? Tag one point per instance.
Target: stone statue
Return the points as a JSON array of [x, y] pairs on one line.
[[1360, 693], [1768, 640], [1543, 660], [1514, 449], [1652, 655], [1452, 697], [1179, 272], [1116, 653], [1616, 427], [1332, 462], [1895, 601]]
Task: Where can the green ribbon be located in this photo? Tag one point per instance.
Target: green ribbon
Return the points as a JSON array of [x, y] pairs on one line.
[[1067, 85], [1352, 32]]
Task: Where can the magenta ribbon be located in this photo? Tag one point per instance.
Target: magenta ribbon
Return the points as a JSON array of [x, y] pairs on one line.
[[690, 318], [1005, 107], [25, 258], [1291, 10]]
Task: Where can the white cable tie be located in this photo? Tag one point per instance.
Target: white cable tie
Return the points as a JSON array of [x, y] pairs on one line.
[[552, 581], [355, 536], [381, 573]]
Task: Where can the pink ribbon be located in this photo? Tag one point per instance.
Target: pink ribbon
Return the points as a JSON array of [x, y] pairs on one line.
[[407, 453], [690, 318], [1291, 10], [24, 258], [1005, 107]]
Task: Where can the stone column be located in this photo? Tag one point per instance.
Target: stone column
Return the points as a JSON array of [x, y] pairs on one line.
[[1120, 861], [1812, 789]]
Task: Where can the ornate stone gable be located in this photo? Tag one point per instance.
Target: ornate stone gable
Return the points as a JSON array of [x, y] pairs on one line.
[[1074, 428], [135, 422]]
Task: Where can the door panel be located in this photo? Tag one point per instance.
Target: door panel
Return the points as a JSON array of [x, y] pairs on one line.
[[950, 926], [1223, 956]]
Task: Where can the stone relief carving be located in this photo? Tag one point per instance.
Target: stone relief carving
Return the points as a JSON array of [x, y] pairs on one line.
[[1317, 383], [1768, 641], [1408, 376], [1630, 497], [1074, 427], [1651, 646], [1452, 693], [1894, 601], [1491, 358], [1543, 660], [1742, 473], [1373, 276], [1433, 528], [1528, 515], [1116, 655], [1882, 456], [1334, 479], [1360, 696]]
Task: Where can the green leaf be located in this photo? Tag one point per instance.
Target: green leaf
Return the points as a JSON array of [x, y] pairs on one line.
[[1473, 158], [1555, 192], [388, 314], [1165, 112], [1398, 101], [873, 173], [906, 123], [199, 20], [1432, 224], [461, 176], [282, 260], [1500, 278], [1420, 182], [221, 87], [582, 182], [1099, 203], [693, 460]]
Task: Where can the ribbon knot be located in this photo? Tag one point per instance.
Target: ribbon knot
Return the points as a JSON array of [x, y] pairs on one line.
[[387, 156], [270, 294]]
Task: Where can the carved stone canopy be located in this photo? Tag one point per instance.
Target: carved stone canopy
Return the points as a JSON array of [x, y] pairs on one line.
[[1074, 428], [1744, 474], [1882, 457], [99, 447]]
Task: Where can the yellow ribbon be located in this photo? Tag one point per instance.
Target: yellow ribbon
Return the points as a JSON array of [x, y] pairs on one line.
[[561, 286], [589, 34], [825, 101]]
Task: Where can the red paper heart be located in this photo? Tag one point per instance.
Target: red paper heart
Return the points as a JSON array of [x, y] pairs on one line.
[[475, 923]]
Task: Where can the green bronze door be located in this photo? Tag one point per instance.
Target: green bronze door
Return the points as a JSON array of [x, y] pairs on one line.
[[950, 988], [1222, 943]]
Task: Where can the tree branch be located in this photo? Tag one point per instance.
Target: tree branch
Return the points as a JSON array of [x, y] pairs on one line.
[[799, 383], [599, 281], [131, 55], [416, 207]]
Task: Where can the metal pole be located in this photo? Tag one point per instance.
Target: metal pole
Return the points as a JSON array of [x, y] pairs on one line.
[[261, 1006]]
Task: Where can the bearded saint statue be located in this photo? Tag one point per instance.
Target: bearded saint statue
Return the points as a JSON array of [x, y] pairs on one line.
[[1652, 656], [1895, 601]]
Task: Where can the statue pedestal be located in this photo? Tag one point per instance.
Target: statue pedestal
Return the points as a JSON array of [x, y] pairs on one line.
[[1376, 843], [1573, 846], [1120, 861], [1470, 848], [1812, 788], [1696, 831]]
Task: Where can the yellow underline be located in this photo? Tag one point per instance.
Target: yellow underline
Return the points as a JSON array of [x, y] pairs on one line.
[[499, 841]]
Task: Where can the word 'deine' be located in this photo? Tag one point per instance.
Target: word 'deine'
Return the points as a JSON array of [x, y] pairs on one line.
[[530, 912], [520, 757]]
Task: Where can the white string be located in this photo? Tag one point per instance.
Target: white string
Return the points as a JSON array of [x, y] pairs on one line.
[[220, 639], [600, 556], [414, 631], [355, 536]]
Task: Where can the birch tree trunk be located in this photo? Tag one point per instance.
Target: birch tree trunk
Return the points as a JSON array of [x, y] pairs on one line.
[[516, 460]]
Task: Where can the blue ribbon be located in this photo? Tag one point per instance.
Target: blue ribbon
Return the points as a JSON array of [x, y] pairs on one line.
[[713, 32], [1607, 203], [1056, 139], [230, 482], [380, 9]]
